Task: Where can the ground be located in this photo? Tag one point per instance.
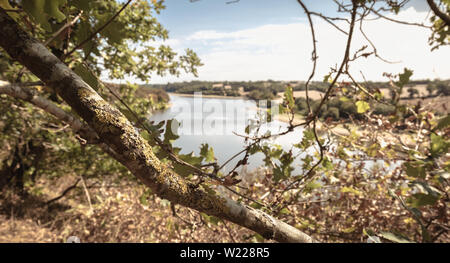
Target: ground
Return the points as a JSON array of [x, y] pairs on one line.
[[118, 215]]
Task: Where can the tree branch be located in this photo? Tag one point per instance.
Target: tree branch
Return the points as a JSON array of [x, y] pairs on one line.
[[438, 12], [97, 31], [29, 95], [114, 130]]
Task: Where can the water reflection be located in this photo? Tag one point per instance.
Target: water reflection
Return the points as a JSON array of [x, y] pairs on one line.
[[214, 121]]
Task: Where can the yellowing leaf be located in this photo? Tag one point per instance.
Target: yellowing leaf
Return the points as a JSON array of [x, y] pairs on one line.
[[444, 122], [5, 5], [350, 190], [394, 238], [362, 106]]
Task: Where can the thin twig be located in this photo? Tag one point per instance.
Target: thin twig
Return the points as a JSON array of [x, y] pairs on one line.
[[67, 190], [97, 31], [67, 25]]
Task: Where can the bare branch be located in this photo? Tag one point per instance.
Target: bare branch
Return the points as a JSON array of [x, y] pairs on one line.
[[438, 12]]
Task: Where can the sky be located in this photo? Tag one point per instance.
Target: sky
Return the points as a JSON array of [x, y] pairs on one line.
[[271, 39]]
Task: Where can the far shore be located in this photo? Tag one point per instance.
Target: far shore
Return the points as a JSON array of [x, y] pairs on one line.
[[342, 129], [285, 118], [298, 118], [206, 96]]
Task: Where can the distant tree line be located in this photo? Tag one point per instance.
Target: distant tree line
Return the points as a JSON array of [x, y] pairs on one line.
[[339, 108], [268, 90]]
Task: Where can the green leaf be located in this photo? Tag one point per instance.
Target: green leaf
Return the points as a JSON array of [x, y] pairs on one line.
[[81, 4], [415, 170], [191, 158], [247, 129], [307, 140], [439, 145], [289, 97], [259, 238], [83, 32], [344, 99], [182, 170], [327, 164], [404, 78], [87, 75], [421, 199], [362, 106], [285, 211], [42, 10], [5, 5], [428, 195], [327, 78], [443, 122], [349, 230], [144, 196], [35, 8], [171, 129], [52, 9], [312, 185], [278, 173], [255, 205], [207, 153], [394, 238], [346, 189], [211, 219], [114, 31]]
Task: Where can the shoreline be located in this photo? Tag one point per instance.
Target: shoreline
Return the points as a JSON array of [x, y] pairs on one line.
[[340, 130], [285, 118], [205, 96], [346, 129], [298, 119]]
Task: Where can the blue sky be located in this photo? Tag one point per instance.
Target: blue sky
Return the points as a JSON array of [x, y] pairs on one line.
[[270, 39], [183, 17]]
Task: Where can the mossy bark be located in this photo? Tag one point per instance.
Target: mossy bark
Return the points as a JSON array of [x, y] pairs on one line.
[[131, 149]]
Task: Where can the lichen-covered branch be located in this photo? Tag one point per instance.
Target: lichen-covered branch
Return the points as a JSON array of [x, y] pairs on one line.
[[31, 96], [131, 149]]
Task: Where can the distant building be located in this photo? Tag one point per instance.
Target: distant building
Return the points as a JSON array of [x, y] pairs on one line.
[[218, 85]]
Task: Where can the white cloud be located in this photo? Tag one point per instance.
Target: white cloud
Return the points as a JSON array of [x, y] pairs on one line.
[[283, 52]]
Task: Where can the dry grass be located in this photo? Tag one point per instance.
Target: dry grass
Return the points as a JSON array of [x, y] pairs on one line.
[[440, 104], [313, 94], [117, 216], [422, 89]]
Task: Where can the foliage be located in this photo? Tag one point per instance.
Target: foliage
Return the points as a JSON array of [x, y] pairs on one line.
[[117, 43], [39, 145], [440, 87], [385, 175], [441, 30]]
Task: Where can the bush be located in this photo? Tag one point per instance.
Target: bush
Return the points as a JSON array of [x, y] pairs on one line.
[[264, 94], [348, 108], [332, 112], [383, 109], [335, 102], [301, 104]]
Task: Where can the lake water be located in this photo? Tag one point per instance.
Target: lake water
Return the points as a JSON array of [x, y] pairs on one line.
[[214, 121]]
